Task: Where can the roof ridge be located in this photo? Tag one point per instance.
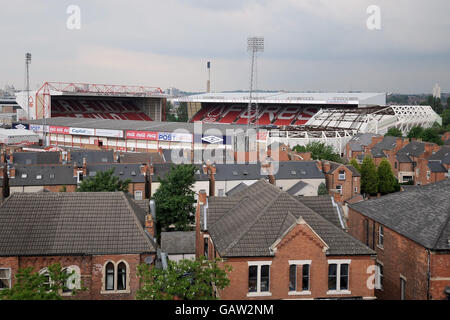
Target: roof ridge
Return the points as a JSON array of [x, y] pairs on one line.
[[233, 243], [444, 227]]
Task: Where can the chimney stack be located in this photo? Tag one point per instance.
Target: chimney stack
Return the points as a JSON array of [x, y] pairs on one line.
[[84, 167], [267, 167], [326, 166], [150, 219], [12, 173]]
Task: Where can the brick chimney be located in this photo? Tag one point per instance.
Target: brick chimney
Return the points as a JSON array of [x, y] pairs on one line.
[[211, 171], [205, 169], [267, 167], [326, 166], [69, 156], [12, 173], [150, 219], [144, 169], [319, 165], [84, 167]]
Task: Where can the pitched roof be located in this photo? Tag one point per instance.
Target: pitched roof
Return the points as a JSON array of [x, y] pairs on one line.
[[361, 139], [388, 143], [296, 188], [161, 170], [436, 166], [141, 157], [178, 242], [414, 148], [335, 165], [249, 223], [298, 170], [236, 189], [324, 206], [72, 223], [92, 156], [27, 158], [43, 175], [443, 155], [124, 171], [421, 214]]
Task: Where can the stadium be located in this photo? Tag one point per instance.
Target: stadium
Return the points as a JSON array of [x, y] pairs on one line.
[[131, 118]]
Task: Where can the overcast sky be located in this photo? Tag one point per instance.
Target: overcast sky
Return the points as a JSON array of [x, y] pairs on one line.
[[321, 45]]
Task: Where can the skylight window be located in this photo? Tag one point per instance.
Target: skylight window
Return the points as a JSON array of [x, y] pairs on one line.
[[133, 173], [24, 176], [39, 177]]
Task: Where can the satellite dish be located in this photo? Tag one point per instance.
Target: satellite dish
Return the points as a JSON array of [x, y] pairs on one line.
[[148, 260]]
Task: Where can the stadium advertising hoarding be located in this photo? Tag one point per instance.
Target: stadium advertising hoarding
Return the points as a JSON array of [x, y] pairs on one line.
[[212, 139], [175, 137], [109, 133], [82, 131], [59, 130], [142, 135]]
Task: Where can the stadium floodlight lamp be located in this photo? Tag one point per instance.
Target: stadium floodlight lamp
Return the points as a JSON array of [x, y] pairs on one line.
[[255, 44]]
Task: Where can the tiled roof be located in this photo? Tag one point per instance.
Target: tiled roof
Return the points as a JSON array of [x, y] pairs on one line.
[[323, 205], [335, 165], [421, 214], [27, 158], [388, 143], [443, 155], [436, 166], [92, 156], [296, 188], [123, 171], [414, 148], [236, 189], [248, 223], [141, 157], [161, 170], [43, 175], [72, 223], [178, 242]]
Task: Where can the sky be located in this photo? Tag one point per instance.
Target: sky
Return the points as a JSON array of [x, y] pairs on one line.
[[310, 45]]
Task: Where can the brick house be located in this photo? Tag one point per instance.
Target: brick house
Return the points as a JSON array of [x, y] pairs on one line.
[[439, 165], [359, 144], [344, 181], [410, 231], [387, 147], [279, 248], [99, 235], [411, 162]]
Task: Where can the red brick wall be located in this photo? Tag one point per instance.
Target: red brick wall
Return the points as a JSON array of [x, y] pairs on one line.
[[299, 244], [91, 269], [402, 256], [348, 185], [69, 188]]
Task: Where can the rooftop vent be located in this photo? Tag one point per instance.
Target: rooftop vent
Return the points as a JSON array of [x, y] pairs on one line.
[[104, 159], [235, 173], [39, 176], [24, 176], [293, 172], [133, 173], [245, 173]]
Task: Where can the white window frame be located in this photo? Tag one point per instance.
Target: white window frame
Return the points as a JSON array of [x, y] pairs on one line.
[[428, 175], [78, 176], [356, 189], [338, 277], [301, 263], [402, 292], [77, 276], [380, 241], [138, 195], [115, 290], [341, 175], [340, 189], [9, 279], [379, 275], [258, 292]]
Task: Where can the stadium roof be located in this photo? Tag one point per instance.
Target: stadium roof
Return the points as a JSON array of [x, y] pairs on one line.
[[355, 98]]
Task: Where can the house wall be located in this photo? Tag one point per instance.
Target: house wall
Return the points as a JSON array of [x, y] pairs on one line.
[[401, 256], [299, 244], [348, 185]]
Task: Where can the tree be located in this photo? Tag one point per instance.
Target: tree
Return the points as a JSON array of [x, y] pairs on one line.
[[394, 132], [386, 179], [182, 112], [355, 164], [446, 117], [415, 132], [369, 176], [322, 190], [319, 151], [431, 135], [175, 199], [104, 181], [185, 279], [31, 285]]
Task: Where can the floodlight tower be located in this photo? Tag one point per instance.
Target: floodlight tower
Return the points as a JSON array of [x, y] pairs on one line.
[[27, 66], [254, 45]]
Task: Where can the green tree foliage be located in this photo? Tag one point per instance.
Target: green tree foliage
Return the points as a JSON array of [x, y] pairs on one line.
[[319, 151], [394, 132], [185, 279], [446, 117], [175, 199], [322, 190], [369, 176], [415, 132], [435, 104], [178, 115], [104, 181], [387, 182], [355, 164], [431, 135], [31, 285]]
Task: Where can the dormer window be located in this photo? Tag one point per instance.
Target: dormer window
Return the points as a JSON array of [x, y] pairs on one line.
[[24, 176], [293, 172], [39, 177], [133, 173]]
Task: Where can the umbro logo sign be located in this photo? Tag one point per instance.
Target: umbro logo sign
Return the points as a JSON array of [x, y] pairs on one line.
[[212, 139]]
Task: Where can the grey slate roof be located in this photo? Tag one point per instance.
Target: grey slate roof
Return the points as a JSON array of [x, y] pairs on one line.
[[414, 148], [92, 156], [443, 155], [61, 174], [250, 222], [361, 139], [298, 170], [27, 158], [421, 214], [436, 166], [124, 171], [388, 143], [141, 157], [72, 223], [323, 205], [236, 189], [237, 171], [335, 165], [447, 142], [296, 188], [161, 170], [178, 242]]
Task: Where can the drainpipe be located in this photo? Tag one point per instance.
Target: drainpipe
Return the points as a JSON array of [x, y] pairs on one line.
[[428, 274]]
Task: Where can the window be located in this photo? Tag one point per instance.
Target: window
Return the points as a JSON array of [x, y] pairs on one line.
[[79, 176], [356, 189], [28, 161], [121, 276], [341, 174], [109, 283], [395, 165], [73, 282], [428, 175], [24, 176], [339, 188], [5, 278], [138, 195], [46, 275], [259, 278], [39, 177], [299, 270], [402, 288], [52, 176], [205, 247], [338, 276], [380, 236], [379, 276]]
